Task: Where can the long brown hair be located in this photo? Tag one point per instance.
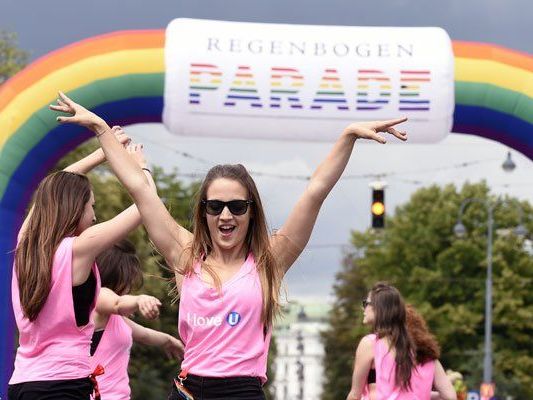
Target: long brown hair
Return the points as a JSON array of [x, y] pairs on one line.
[[427, 347], [389, 322], [257, 238], [120, 268], [58, 207]]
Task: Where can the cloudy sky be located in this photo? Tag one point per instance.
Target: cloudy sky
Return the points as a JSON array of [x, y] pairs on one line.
[[45, 26]]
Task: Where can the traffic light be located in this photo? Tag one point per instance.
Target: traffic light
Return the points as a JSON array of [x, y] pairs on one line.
[[378, 208]]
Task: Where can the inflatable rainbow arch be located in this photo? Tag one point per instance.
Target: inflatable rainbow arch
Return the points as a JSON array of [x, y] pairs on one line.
[[121, 77]]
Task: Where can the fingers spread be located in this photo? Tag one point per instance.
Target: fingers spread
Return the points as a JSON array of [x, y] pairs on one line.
[[400, 135], [65, 99], [392, 122]]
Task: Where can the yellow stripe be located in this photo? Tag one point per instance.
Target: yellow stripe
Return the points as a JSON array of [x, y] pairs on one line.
[[73, 76], [494, 73]]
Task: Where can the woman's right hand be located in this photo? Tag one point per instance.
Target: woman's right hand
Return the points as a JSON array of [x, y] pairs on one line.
[[148, 306], [79, 114]]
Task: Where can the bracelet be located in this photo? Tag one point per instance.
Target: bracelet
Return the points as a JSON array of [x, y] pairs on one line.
[[147, 169], [101, 133]]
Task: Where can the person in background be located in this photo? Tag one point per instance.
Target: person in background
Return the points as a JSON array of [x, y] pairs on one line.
[[401, 372], [120, 272]]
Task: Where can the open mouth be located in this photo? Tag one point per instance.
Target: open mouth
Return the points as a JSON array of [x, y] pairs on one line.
[[226, 230]]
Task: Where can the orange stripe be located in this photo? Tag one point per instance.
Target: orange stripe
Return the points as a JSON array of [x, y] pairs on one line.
[[489, 51], [107, 43]]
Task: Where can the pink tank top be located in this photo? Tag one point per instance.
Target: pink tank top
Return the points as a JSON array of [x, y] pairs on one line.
[[53, 347], [113, 353], [421, 377], [223, 333]]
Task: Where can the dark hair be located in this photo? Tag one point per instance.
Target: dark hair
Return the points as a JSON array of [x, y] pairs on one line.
[[257, 238], [120, 268], [389, 322], [58, 207], [427, 347]]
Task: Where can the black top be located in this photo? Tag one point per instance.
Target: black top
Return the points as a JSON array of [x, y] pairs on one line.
[[371, 376], [97, 336], [83, 297]]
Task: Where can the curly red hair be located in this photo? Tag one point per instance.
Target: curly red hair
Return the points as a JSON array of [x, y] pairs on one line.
[[427, 347]]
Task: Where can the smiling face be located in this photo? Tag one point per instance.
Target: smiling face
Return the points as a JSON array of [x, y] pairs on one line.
[[227, 231]]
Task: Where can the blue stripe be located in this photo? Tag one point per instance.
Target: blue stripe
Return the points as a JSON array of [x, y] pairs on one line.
[[495, 125]]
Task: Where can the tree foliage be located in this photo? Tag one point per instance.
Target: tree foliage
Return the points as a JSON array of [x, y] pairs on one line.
[[12, 59], [444, 277]]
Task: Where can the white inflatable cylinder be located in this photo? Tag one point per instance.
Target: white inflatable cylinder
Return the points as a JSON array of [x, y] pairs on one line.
[[304, 82]]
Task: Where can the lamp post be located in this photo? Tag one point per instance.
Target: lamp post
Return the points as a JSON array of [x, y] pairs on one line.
[[460, 230]]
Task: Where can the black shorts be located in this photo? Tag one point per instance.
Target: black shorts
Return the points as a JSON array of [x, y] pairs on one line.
[[239, 387], [69, 389]]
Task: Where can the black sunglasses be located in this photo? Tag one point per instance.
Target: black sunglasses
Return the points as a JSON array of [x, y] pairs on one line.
[[366, 303], [236, 207]]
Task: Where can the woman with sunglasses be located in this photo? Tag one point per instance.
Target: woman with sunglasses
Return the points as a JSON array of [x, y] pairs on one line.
[[400, 357], [229, 269], [56, 282]]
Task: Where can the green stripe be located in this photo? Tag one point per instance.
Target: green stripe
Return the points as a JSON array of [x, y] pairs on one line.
[[204, 87], [283, 91], [243, 90], [92, 95], [333, 93], [495, 98]]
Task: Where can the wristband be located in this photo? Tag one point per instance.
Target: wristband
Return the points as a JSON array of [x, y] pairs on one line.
[[101, 133]]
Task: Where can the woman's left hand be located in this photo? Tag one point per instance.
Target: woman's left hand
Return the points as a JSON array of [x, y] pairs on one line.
[[369, 130]]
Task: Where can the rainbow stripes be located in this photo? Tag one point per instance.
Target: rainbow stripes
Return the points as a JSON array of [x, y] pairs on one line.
[[330, 91], [121, 77], [494, 94], [242, 88], [369, 81], [285, 83], [411, 82], [202, 77]]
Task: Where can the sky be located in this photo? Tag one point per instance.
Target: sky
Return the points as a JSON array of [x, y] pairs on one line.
[[45, 26]]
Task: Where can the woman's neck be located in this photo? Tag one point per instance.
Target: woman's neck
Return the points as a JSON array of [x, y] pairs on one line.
[[228, 257]]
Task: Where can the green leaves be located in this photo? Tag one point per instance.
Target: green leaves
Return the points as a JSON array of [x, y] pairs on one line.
[[444, 277], [12, 59]]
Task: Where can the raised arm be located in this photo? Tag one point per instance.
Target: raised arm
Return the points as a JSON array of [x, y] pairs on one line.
[[83, 166], [291, 239], [364, 356], [167, 235], [97, 238], [170, 345], [111, 303]]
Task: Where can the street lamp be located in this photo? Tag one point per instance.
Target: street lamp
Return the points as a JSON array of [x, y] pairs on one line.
[[508, 165], [460, 230]]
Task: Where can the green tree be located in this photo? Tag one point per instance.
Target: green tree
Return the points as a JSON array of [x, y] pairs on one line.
[[12, 59], [444, 277]]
